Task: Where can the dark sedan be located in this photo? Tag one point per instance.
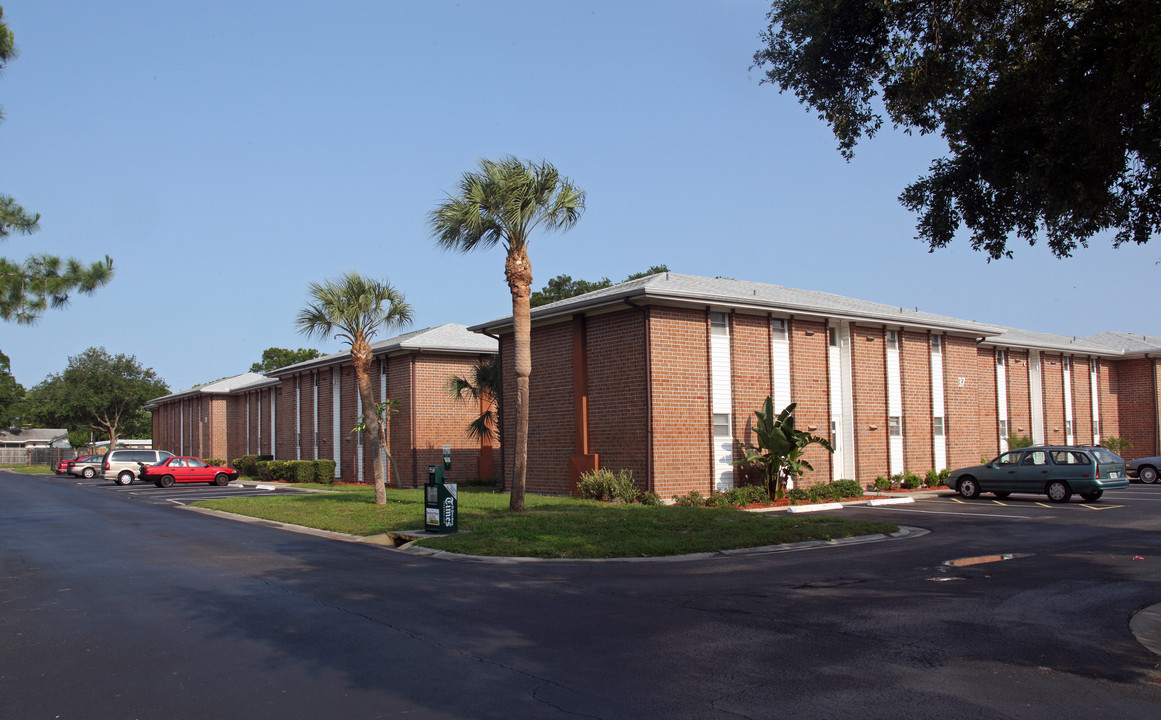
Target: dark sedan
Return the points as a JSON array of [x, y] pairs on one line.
[[1144, 468]]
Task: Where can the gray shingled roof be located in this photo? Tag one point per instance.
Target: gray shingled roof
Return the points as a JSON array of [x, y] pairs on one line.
[[36, 436], [1126, 343], [450, 337], [691, 289], [1014, 337], [225, 386]]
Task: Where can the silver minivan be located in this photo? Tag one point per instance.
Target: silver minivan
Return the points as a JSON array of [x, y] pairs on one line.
[[124, 466]]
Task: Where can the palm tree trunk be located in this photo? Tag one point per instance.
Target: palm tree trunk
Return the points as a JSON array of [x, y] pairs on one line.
[[361, 359], [519, 273]]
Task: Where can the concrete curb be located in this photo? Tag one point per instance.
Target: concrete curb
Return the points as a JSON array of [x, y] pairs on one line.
[[1145, 624]]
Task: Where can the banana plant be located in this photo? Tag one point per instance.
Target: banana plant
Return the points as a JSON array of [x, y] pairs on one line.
[[780, 447]]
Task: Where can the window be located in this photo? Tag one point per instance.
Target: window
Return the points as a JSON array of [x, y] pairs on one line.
[[719, 324], [893, 339], [1003, 428], [1066, 362], [778, 328], [1009, 458], [1036, 457], [721, 425], [1069, 457], [937, 426], [1068, 428], [832, 336], [936, 344], [895, 425], [1001, 357]]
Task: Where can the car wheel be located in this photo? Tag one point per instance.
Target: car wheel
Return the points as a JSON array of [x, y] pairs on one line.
[[1148, 474], [88, 473], [165, 481], [1092, 496], [125, 478], [221, 479], [969, 488], [1059, 491], [1001, 495]]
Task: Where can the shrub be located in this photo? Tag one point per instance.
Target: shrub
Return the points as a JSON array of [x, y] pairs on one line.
[[837, 490], [216, 462], [324, 471], [1116, 444], [1017, 441], [650, 498], [604, 484], [302, 471], [846, 489], [882, 484], [911, 481], [693, 499], [932, 479], [246, 465], [944, 474], [896, 481]]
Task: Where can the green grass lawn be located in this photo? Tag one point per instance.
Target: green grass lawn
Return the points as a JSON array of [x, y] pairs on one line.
[[29, 469], [551, 527]]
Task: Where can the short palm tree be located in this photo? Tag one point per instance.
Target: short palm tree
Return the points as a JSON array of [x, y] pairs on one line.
[[354, 308], [481, 384], [502, 203]]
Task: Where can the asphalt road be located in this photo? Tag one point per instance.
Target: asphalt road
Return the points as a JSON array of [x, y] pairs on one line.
[[122, 604]]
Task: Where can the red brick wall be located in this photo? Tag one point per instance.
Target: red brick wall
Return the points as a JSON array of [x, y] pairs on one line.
[[750, 365], [1135, 393], [1052, 380], [810, 389], [869, 380], [1081, 401], [681, 418], [962, 385], [551, 425], [1019, 394], [1109, 389], [915, 369], [615, 365], [988, 431]]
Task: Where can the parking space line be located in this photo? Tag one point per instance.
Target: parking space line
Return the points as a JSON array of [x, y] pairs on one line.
[[1101, 507], [945, 512]]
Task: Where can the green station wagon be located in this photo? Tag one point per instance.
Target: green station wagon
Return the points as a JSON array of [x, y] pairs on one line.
[[1057, 471]]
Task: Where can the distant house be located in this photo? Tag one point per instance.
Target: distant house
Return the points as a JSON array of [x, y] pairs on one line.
[[34, 438], [307, 410], [31, 445]]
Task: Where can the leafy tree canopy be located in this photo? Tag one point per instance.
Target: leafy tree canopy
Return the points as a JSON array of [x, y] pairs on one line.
[[100, 391], [11, 392], [30, 287], [563, 286], [276, 357], [1049, 107]]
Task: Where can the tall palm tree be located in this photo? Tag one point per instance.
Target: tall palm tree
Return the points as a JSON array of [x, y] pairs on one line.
[[354, 308], [502, 203]]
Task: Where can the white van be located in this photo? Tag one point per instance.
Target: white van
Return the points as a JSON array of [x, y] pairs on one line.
[[124, 466]]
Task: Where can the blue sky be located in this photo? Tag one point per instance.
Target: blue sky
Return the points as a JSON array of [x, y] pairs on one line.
[[227, 153]]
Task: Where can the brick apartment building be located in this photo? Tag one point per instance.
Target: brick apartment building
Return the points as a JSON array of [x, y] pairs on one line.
[[661, 375], [307, 410]]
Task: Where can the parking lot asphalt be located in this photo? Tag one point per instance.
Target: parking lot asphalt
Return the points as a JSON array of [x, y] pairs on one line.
[[120, 605]]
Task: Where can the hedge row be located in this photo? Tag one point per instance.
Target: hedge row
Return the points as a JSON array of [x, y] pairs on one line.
[[265, 467]]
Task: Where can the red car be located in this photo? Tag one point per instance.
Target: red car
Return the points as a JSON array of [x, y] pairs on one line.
[[186, 470], [62, 467]]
